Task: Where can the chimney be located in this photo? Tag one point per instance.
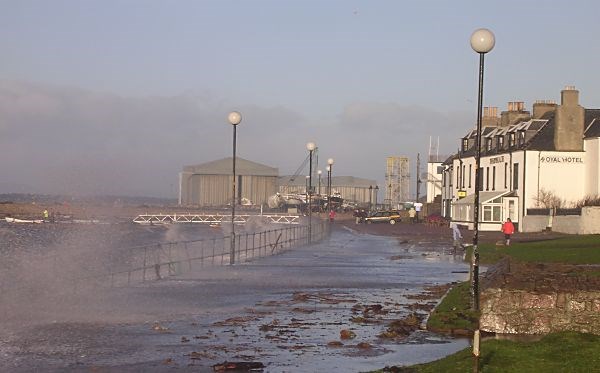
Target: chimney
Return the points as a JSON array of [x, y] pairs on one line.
[[543, 107], [516, 113], [490, 117], [569, 121]]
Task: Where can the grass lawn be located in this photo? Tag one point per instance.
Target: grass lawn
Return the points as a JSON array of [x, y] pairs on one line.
[[454, 312], [558, 352], [569, 250]]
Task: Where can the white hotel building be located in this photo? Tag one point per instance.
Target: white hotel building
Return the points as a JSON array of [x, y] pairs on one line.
[[556, 150]]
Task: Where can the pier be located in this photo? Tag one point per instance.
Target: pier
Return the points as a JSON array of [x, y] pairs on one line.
[[210, 218]]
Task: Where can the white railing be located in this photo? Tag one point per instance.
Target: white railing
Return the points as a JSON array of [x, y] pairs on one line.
[[210, 218]]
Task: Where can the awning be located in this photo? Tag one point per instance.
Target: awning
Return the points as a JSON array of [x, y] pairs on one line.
[[484, 197]]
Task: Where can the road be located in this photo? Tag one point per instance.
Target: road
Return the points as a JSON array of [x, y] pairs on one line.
[[289, 312]]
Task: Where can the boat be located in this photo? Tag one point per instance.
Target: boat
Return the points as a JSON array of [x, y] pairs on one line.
[[15, 220]]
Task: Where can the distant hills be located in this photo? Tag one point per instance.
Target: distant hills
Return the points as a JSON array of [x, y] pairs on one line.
[[104, 200]]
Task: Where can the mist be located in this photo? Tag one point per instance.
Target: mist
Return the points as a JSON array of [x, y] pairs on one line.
[[70, 141]]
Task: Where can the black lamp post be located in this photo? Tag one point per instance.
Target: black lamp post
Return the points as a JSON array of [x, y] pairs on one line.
[[376, 192], [319, 173], [370, 195], [311, 148], [329, 171], [482, 41], [234, 118]]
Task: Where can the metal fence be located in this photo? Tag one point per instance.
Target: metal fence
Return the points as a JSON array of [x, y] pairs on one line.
[[554, 212], [161, 260]]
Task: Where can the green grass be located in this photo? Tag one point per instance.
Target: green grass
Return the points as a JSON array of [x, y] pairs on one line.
[[454, 312], [558, 352], [569, 250]]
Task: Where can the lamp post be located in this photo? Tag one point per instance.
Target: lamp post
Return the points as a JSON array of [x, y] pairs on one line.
[[319, 172], [482, 41], [306, 188], [234, 118], [376, 192], [329, 171], [370, 195], [311, 148]]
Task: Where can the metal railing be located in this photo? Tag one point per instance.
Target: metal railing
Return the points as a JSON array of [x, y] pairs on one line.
[[210, 218], [130, 265]]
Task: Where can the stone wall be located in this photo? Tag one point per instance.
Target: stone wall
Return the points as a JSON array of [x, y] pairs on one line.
[[587, 223], [540, 298], [535, 223]]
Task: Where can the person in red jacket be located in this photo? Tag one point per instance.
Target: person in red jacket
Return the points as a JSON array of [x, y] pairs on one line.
[[508, 229]]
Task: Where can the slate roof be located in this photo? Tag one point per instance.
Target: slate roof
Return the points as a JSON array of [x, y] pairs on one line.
[[539, 134]]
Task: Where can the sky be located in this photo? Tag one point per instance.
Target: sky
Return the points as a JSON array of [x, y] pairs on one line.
[[114, 97]]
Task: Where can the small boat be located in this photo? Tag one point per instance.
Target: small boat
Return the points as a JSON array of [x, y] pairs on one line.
[[15, 220]]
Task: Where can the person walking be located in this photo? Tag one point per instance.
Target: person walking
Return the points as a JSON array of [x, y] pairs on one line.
[[331, 216], [412, 213], [508, 229], [456, 237]]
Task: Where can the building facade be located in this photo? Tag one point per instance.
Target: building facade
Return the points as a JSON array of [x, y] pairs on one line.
[[528, 160], [210, 184]]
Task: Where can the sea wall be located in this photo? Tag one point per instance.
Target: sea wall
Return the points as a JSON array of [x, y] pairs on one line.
[[586, 223], [540, 299]]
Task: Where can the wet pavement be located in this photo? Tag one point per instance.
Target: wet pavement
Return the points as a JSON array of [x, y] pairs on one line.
[[356, 302]]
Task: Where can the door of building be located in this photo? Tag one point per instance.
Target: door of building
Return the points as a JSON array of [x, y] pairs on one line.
[[511, 209]]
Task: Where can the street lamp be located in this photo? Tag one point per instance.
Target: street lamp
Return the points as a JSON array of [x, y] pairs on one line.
[[319, 172], [329, 171], [370, 195], [311, 148], [376, 192], [482, 41], [234, 118], [306, 188]]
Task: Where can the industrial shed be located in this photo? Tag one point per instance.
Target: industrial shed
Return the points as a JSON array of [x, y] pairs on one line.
[[210, 184]]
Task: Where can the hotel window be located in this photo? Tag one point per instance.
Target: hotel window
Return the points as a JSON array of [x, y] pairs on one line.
[[487, 178], [463, 176], [465, 144], [505, 175], [499, 142], [515, 176], [511, 139], [493, 177], [458, 177], [492, 213], [470, 173], [521, 139], [488, 144], [480, 178]]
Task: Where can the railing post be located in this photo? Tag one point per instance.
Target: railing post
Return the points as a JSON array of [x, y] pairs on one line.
[[144, 265]]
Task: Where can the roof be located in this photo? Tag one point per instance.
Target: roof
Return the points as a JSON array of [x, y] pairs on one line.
[[484, 197], [224, 166]]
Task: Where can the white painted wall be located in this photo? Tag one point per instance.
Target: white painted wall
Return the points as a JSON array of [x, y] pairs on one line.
[[592, 166], [434, 181], [562, 173]]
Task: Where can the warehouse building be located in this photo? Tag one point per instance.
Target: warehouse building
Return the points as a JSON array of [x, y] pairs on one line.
[[210, 184]]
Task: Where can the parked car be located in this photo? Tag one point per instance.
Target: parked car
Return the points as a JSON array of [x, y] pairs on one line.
[[383, 217]]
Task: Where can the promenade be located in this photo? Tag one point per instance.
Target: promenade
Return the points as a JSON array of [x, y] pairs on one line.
[[325, 307]]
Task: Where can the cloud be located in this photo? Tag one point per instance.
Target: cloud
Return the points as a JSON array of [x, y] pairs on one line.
[[71, 141]]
